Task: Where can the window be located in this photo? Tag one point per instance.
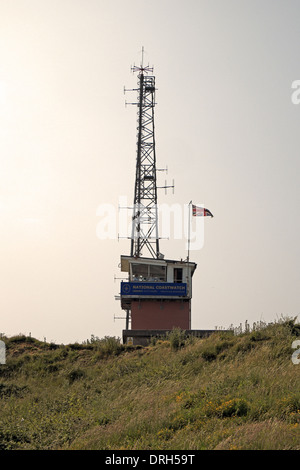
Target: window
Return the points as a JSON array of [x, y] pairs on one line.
[[177, 274], [148, 272], [157, 273], [139, 272]]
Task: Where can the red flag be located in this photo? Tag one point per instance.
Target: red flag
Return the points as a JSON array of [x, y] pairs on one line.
[[201, 211]]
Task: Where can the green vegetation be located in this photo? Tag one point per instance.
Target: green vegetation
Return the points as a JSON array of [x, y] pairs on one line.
[[222, 392]]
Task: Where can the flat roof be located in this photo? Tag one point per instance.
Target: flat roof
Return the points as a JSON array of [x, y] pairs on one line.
[[125, 260]]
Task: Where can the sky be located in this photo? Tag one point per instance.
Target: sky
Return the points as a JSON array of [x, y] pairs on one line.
[[226, 127]]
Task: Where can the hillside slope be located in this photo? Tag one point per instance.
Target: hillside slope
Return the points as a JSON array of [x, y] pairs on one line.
[[222, 392]]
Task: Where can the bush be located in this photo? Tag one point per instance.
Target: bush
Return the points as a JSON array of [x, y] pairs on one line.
[[259, 335], [109, 346], [9, 390], [223, 345], [177, 338], [209, 354], [293, 327], [18, 339], [227, 409], [75, 374], [289, 405]]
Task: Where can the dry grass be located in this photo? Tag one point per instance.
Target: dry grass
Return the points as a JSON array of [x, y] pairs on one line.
[[270, 434], [223, 392]]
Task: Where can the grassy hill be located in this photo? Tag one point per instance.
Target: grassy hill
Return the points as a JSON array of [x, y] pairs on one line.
[[222, 392]]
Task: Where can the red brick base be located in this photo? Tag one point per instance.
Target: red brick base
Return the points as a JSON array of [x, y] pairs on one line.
[[160, 315]]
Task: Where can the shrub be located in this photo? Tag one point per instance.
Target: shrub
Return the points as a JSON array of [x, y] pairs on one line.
[[209, 354], [177, 338], [52, 368], [244, 346], [223, 345], [75, 374], [17, 339], [109, 346], [293, 327], [289, 405], [9, 390], [235, 407], [259, 335], [79, 347], [228, 408]]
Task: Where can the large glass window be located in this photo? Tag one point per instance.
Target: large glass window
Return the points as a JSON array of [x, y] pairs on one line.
[[157, 273], [148, 273], [139, 272]]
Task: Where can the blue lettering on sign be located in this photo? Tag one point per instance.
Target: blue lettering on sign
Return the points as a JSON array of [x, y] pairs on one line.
[[154, 288]]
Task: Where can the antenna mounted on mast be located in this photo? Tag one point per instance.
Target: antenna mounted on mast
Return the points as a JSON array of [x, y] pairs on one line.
[[145, 213], [141, 68]]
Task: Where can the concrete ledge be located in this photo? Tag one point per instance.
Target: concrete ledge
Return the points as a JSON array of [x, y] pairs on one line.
[[142, 337]]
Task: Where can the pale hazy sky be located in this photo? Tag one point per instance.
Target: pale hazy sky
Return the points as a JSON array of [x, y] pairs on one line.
[[225, 127]]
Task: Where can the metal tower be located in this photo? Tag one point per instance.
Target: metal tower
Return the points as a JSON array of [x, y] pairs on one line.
[[157, 292], [145, 215]]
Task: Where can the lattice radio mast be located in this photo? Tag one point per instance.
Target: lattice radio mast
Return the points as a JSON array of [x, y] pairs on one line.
[[145, 214]]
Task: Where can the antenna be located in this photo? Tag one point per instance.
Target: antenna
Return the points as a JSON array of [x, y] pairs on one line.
[[127, 318], [142, 57], [145, 212], [121, 278]]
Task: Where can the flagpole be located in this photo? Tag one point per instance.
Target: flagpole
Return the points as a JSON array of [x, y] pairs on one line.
[[189, 232]]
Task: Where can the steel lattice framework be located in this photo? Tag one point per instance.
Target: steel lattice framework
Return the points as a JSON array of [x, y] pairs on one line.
[[145, 213]]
